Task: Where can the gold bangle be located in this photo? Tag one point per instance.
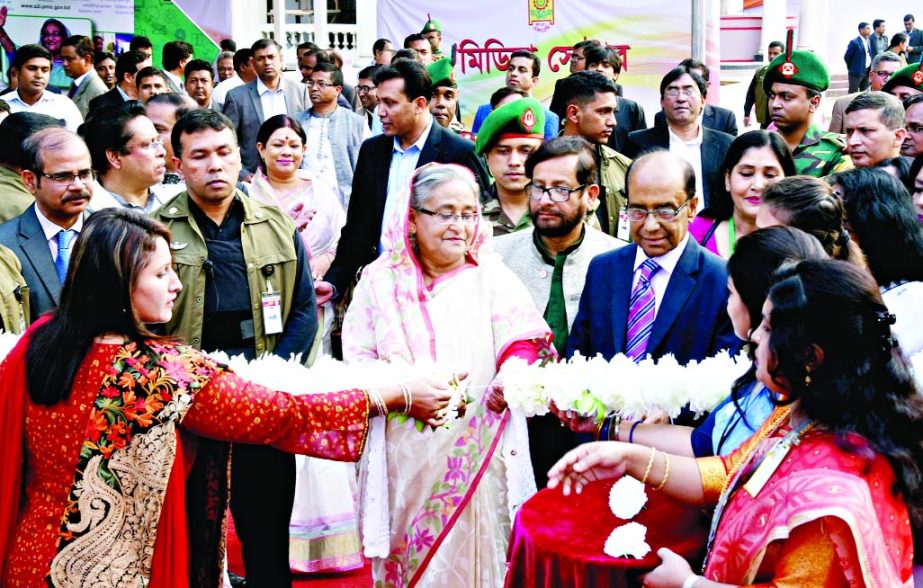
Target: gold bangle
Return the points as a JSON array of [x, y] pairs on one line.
[[650, 464], [666, 471]]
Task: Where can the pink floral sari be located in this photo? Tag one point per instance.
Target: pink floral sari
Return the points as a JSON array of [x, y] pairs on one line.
[[437, 505]]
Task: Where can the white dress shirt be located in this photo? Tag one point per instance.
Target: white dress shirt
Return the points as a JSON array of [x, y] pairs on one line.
[[691, 151], [272, 101], [661, 278], [55, 105], [51, 231], [403, 162]]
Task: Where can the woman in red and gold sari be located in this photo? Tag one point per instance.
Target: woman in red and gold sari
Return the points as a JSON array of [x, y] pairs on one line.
[[828, 492], [99, 416]]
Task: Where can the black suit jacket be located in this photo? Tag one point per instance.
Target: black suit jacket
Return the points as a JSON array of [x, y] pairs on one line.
[[714, 148], [110, 98], [629, 117], [715, 118], [362, 232]]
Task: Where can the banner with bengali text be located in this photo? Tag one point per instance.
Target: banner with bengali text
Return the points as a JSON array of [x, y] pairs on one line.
[[652, 36]]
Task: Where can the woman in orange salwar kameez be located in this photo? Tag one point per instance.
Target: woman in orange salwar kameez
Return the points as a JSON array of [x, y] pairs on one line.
[[98, 413], [828, 492]]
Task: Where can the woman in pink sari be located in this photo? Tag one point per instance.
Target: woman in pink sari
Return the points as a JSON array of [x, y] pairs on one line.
[[828, 492], [437, 504]]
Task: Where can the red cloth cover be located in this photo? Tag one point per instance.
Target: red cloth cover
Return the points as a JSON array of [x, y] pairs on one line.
[[558, 540]]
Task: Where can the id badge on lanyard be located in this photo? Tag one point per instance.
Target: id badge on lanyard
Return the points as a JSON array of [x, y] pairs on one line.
[[272, 310], [623, 229]]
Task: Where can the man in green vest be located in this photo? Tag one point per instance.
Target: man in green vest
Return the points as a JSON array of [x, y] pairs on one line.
[[221, 242]]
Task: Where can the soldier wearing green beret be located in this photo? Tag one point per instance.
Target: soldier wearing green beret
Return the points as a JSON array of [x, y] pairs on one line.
[[444, 104], [794, 83], [509, 134], [906, 82], [432, 30]]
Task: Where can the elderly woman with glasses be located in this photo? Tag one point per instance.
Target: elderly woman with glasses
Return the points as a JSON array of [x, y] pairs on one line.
[[437, 504]]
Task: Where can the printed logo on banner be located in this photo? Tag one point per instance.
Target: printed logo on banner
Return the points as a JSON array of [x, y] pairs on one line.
[[541, 15]]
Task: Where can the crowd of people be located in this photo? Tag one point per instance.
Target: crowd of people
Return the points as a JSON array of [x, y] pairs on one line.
[[150, 215]]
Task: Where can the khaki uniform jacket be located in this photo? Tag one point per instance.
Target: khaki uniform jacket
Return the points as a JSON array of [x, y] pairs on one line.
[[15, 198], [266, 238], [14, 293]]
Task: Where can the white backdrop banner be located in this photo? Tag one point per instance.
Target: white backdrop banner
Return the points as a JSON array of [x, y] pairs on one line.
[[651, 35]]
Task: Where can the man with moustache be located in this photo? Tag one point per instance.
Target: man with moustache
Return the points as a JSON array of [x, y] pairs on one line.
[[507, 138], [552, 258], [199, 82], [246, 290], [444, 105], [32, 66], [129, 156], [59, 173]]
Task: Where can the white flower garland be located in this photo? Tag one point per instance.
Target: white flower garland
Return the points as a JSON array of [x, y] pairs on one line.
[[596, 387]]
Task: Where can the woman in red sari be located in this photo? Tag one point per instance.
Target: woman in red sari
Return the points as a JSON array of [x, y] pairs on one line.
[[90, 386], [828, 492]]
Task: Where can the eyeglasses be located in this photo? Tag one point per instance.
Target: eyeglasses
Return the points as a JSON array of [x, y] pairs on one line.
[[67, 178], [447, 218], [152, 146], [556, 193], [638, 215], [883, 74], [321, 85], [675, 92], [364, 89]]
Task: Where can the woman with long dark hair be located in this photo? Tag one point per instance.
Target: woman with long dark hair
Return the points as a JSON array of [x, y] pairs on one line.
[[833, 477], [883, 221], [754, 160], [91, 386]]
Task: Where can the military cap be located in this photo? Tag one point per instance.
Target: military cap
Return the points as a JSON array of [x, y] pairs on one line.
[[431, 25], [910, 76], [801, 68], [442, 73], [523, 118]]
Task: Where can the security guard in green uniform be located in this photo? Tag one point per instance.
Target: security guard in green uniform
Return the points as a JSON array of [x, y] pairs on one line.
[[14, 294], [247, 290], [506, 139], [432, 30], [444, 103], [794, 83], [906, 82]]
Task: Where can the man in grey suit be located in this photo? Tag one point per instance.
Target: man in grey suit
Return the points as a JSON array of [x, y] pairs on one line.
[[248, 106], [77, 55], [914, 40], [60, 176]]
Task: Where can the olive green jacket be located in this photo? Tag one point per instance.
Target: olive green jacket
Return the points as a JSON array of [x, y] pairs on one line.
[[269, 252], [14, 293], [613, 169], [15, 198]]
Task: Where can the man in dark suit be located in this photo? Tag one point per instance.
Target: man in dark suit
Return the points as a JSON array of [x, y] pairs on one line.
[[689, 317], [858, 57], [715, 118], [914, 40], [411, 139], [663, 294], [248, 106], [43, 236], [126, 68], [682, 93]]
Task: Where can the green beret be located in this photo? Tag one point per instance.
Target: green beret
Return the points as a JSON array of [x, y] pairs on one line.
[[442, 73], [910, 76], [803, 68], [523, 118], [431, 25]]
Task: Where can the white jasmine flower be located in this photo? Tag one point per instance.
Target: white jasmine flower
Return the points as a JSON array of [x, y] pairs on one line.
[[629, 540], [627, 497]]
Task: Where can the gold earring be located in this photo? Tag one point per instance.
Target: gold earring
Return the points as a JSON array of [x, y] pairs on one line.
[[807, 377]]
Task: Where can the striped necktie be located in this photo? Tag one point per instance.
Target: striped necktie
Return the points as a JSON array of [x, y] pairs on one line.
[[64, 254], [641, 312]]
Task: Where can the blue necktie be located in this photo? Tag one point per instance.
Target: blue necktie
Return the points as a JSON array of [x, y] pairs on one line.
[[64, 253]]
